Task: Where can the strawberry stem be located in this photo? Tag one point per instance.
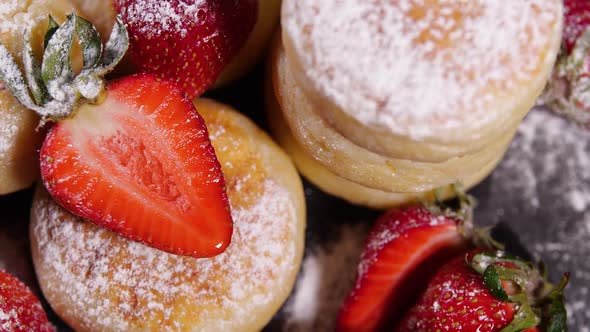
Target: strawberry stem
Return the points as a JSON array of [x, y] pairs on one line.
[[55, 90], [51, 28], [461, 207], [511, 279], [494, 283], [554, 311]]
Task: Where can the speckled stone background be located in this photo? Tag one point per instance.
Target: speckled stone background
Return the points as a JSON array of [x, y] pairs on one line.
[[539, 198]]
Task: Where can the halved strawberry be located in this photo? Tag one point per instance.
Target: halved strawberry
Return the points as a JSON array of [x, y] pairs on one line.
[[20, 310], [401, 251], [141, 164], [135, 157], [187, 41], [487, 291]]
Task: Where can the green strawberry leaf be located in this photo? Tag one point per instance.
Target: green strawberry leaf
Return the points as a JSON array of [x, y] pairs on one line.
[[54, 91], [557, 316], [51, 28], [493, 282], [56, 69], [524, 318], [89, 86], [13, 79], [89, 41], [115, 49], [32, 69]]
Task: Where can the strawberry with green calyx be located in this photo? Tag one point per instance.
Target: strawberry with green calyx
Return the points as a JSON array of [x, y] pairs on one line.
[[487, 291], [54, 87], [568, 89], [131, 155]]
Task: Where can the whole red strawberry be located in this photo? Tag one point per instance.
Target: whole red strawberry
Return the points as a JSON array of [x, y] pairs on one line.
[[20, 310], [568, 89], [133, 156], [187, 41], [486, 291]]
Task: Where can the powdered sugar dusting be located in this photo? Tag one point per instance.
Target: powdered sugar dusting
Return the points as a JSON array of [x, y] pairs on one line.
[[8, 128], [18, 142], [19, 309], [16, 17], [123, 285], [326, 277], [547, 171], [20, 17], [418, 67], [154, 18]]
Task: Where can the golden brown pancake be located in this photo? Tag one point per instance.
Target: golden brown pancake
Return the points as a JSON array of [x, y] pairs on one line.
[[357, 164], [399, 76], [347, 190], [96, 280]]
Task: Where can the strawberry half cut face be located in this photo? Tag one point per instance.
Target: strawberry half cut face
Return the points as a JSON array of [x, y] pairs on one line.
[[401, 252], [141, 164]]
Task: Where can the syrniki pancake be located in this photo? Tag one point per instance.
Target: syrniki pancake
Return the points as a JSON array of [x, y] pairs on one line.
[[333, 184], [97, 281], [357, 164], [394, 76]]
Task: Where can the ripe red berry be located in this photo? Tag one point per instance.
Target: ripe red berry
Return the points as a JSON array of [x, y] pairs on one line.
[[20, 310], [189, 42]]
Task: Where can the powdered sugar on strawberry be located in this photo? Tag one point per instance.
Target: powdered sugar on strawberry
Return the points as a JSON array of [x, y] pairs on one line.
[[422, 69], [169, 16], [186, 41], [326, 277]]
